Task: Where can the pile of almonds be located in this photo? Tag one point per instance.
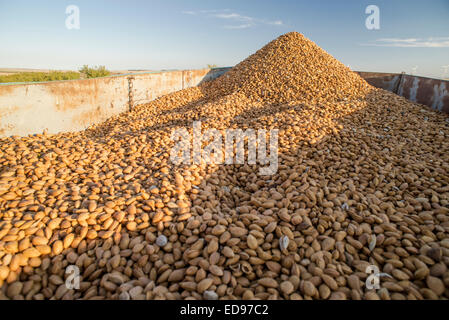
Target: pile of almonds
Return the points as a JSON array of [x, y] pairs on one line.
[[363, 180]]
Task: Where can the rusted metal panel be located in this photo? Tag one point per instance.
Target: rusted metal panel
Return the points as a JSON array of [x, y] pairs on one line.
[[386, 81], [431, 92]]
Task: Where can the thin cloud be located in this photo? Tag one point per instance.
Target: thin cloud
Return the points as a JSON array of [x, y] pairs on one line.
[[240, 26], [191, 12], [276, 23], [431, 42], [214, 11], [241, 21], [233, 16]]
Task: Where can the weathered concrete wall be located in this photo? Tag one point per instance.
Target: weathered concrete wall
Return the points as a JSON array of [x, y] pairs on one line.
[[64, 106], [61, 106], [148, 87]]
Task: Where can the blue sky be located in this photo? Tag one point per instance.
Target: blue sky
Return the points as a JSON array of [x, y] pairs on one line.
[[175, 34]]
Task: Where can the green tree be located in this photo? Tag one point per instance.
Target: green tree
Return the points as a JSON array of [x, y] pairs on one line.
[[94, 72]]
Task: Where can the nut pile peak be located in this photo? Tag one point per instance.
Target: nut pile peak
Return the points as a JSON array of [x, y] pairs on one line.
[[288, 69]]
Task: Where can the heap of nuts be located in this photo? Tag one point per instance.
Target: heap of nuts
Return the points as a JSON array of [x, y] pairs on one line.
[[362, 182]]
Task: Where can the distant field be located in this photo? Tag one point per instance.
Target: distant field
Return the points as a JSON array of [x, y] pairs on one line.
[[4, 71], [36, 75], [39, 76]]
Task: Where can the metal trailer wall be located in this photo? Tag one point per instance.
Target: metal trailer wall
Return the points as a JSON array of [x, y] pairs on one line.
[[430, 92], [66, 106], [61, 106]]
